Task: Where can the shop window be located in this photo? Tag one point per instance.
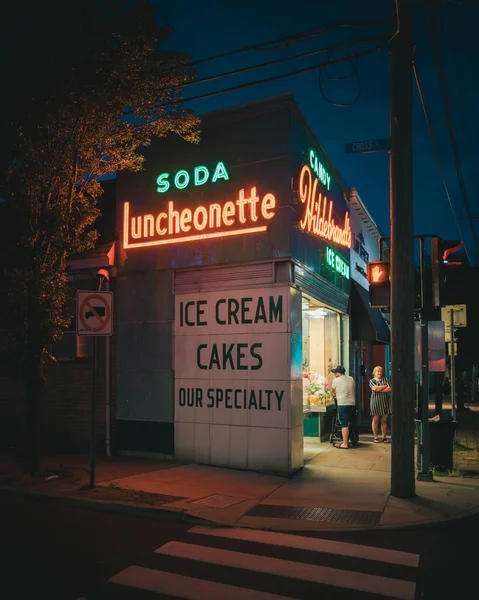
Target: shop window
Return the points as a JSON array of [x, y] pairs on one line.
[[321, 352]]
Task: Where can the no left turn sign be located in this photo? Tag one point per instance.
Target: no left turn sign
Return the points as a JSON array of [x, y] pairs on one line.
[[94, 313]]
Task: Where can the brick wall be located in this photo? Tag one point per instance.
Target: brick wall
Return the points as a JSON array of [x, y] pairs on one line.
[[66, 414]]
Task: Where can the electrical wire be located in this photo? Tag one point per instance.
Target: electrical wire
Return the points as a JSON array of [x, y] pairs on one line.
[[292, 39], [447, 110], [282, 76], [328, 50], [128, 112], [323, 72], [436, 152]]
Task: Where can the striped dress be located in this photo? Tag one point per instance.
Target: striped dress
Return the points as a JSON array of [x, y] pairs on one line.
[[380, 401]]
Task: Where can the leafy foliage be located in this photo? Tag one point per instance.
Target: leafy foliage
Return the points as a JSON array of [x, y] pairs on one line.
[[84, 95]]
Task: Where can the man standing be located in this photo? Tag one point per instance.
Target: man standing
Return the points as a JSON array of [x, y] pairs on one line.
[[343, 390]]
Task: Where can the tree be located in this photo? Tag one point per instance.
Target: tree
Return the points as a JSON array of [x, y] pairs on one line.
[[81, 96]]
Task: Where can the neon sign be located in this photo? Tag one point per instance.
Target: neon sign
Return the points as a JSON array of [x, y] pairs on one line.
[[182, 178], [337, 262], [318, 215], [319, 169], [174, 226]]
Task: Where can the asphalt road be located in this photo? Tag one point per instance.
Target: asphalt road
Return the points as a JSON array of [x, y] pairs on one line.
[[62, 552]]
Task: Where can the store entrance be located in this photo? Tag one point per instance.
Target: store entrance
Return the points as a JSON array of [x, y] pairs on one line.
[[321, 330]]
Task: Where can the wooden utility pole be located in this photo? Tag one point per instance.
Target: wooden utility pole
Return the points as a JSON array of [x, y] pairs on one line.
[[402, 254]]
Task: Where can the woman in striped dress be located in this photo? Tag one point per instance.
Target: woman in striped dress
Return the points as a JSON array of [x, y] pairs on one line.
[[380, 403]]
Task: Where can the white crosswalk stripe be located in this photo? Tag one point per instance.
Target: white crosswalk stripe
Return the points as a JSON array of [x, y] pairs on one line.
[[243, 560], [190, 588], [315, 544], [387, 586]]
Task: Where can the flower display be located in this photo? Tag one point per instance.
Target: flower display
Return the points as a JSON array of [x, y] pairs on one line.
[[317, 389]]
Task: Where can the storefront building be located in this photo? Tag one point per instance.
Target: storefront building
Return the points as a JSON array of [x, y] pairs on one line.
[[232, 296], [369, 326], [238, 285]]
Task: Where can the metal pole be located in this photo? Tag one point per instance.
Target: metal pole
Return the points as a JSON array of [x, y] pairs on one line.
[[425, 472], [453, 370], [421, 273], [92, 411], [402, 255]]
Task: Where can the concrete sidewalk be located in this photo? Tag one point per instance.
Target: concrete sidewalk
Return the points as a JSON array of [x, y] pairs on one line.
[[336, 490]]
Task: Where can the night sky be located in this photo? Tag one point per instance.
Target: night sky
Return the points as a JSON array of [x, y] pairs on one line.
[[211, 27]]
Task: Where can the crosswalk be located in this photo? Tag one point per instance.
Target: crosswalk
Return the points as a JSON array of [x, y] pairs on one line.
[[214, 563]]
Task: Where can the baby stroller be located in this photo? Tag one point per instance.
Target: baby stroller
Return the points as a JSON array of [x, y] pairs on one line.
[[336, 433]]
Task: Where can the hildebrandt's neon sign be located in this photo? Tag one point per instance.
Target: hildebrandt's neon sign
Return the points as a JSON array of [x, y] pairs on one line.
[[173, 225], [318, 216]]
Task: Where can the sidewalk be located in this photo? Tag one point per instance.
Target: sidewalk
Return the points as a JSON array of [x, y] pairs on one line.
[[336, 490]]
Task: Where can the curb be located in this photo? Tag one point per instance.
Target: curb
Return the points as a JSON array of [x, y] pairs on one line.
[[180, 516], [161, 514]]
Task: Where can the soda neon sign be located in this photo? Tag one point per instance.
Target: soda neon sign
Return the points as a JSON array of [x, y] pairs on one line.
[[175, 226], [318, 213], [199, 176]]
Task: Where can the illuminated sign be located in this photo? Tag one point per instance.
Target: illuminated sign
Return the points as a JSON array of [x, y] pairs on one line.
[[337, 263], [318, 214], [175, 226], [378, 272], [199, 176], [319, 169]]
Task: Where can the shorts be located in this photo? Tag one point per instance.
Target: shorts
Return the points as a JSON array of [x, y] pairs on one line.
[[346, 414]]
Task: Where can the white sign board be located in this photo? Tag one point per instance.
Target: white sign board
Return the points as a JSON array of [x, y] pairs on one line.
[[449, 348], [460, 315], [94, 313], [233, 378], [436, 347]]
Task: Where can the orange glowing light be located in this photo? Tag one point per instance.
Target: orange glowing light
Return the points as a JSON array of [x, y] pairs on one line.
[[165, 226], [377, 274], [318, 215]]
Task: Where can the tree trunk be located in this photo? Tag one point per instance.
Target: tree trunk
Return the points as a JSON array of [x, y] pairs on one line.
[[34, 391]]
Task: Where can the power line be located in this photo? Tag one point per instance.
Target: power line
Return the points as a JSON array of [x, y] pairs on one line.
[[436, 152], [284, 75], [447, 110], [303, 36], [280, 60], [291, 39]]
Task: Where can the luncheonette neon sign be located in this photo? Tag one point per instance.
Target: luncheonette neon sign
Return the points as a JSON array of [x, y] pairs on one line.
[[174, 226], [199, 176], [318, 214]]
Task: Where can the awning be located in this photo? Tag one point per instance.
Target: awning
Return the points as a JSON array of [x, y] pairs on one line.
[[367, 324]]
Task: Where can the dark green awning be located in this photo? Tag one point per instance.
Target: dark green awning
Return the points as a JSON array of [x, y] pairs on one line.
[[368, 324]]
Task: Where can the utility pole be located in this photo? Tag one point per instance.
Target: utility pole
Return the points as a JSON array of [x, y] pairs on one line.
[[402, 254]]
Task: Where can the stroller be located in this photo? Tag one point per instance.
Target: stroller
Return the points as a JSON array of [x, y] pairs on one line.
[[336, 433]]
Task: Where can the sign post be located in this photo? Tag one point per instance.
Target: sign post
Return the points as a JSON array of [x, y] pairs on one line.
[[454, 315], [94, 318], [453, 369]]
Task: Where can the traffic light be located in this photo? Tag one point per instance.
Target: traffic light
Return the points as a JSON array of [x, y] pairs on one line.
[[379, 284], [442, 260]]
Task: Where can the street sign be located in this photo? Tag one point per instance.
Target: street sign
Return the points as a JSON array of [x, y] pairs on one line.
[[460, 315], [94, 313], [449, 348], [367, 146], [436, 350]]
